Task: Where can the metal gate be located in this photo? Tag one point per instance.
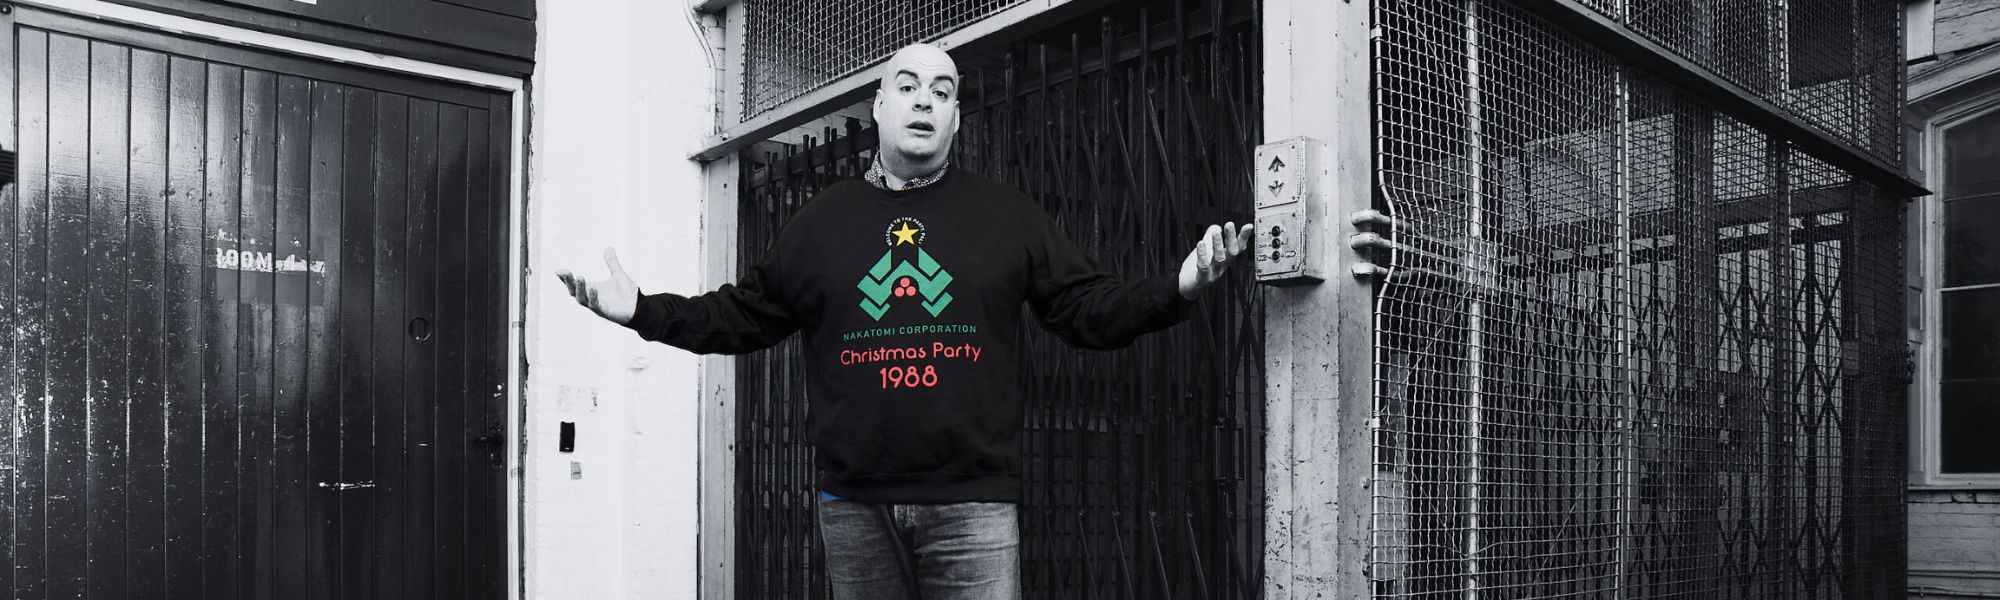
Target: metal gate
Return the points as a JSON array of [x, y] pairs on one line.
[[1143, 466], [1633, 346]]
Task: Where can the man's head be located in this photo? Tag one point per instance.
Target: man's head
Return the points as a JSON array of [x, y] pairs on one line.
[[916, 109]]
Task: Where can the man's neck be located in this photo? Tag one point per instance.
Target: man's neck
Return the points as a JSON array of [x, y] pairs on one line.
[[892, 180], [897, 173]]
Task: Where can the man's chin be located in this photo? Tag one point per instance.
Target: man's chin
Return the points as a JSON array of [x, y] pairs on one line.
[[916, 153]]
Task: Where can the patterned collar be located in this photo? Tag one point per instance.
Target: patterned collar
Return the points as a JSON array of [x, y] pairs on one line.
[[878, 177]]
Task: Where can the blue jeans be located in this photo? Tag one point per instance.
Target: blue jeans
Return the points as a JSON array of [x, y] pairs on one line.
[[966, 551]]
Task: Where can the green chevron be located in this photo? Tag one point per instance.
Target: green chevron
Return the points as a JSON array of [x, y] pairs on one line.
[[881, 268], [875, 310], [929, 265], [880, 284], [937, 306]]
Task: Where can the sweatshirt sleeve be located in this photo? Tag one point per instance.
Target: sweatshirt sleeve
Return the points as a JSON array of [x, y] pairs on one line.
[[734, 319], [1078, 301]]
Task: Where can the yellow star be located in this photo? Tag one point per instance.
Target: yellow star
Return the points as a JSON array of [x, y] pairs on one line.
[[906, 234]]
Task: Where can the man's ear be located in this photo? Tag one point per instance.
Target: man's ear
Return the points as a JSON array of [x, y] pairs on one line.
[[875, 109]]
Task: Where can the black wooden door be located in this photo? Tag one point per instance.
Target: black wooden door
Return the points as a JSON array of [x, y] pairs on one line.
[[251, 323]]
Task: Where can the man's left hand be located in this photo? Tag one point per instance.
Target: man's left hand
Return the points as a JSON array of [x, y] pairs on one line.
[[1218, 247]]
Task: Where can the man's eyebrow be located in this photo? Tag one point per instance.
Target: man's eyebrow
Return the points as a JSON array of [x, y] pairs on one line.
[[913, 75]]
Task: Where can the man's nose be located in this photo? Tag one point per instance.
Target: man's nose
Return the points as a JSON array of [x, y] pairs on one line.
[[923, 102]]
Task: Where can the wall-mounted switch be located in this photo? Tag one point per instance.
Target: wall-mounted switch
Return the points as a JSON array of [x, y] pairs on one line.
[[7, 161], [1292, 179]]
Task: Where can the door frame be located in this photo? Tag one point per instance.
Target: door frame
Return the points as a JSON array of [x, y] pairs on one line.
[[515, 88]]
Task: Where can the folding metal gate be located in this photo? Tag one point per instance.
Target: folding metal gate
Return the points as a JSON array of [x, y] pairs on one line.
[[1144, 465], [1633, 346]]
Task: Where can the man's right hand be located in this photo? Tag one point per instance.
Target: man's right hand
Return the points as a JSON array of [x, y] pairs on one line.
[[613, 298]]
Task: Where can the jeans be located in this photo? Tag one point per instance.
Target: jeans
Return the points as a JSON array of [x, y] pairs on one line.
[[966, 551]]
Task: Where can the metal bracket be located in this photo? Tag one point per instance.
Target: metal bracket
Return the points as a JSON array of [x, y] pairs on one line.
[[496, 436], [1373, 247]]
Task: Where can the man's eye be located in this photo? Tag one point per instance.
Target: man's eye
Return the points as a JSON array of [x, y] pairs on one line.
[[906, 88], [941, 94]]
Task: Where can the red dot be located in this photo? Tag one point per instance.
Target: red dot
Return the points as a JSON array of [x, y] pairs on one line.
[[899, 292], [906, 282]]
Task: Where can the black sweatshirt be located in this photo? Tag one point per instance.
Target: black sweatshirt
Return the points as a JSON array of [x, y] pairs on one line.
[[909, 301]]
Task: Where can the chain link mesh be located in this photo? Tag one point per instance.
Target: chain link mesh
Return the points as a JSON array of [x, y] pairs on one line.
[[1631, 346], [792, 47], [1836, 64]]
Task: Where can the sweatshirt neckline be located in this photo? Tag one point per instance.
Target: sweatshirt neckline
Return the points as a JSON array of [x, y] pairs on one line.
[[948, 179]]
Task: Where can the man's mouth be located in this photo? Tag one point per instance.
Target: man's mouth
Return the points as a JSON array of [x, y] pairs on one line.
[[923, 126]]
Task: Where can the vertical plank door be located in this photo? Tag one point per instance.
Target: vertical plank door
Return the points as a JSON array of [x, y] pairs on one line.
[[251, 323]]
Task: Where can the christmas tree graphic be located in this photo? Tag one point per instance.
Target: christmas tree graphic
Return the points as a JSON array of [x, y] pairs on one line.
[[891, 279]]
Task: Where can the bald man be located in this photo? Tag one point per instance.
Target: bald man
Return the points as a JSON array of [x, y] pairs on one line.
[[907, 286]]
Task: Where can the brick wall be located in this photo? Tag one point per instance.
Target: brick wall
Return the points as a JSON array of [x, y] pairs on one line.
[[1955, 544], [621, 91]]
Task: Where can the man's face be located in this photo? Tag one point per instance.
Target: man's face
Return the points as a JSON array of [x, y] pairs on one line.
[[916, 109]]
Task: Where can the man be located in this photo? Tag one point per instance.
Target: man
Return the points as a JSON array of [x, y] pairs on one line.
[[908, 288]]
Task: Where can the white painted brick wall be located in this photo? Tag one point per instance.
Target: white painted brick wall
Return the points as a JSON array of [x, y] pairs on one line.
[[621, 91], [1954, 542]]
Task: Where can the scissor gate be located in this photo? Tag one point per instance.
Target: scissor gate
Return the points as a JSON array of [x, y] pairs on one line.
[[1143, 466], [1633, 346]]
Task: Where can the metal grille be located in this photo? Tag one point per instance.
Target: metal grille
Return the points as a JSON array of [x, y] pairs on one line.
[[1143, 466], [1834, 63], [778, 551], [1631, 347], [792, 47]]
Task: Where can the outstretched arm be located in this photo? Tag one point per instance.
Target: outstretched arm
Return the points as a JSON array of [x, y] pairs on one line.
[[739, 318], [1075, 299], [613, 298], [1211, 257]]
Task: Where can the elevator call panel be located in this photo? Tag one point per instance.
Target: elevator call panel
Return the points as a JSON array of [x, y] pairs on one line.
[[1292, 181]]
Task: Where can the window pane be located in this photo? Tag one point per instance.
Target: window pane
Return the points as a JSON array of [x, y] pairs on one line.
[[1972, 241], [1969, 426], [1971, 334], [1971, 153]]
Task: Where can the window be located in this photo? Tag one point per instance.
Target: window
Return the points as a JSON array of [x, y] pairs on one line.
[[1958, 395]]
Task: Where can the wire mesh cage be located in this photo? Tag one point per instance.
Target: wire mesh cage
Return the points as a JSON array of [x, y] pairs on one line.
[[1836, 64], [1631, 347], [1142, 467], [792, 47]]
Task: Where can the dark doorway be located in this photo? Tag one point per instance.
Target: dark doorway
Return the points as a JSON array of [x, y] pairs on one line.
[[251, 323]]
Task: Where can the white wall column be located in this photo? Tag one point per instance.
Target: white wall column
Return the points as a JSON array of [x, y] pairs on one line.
[[1318, 350], [621, 88]]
